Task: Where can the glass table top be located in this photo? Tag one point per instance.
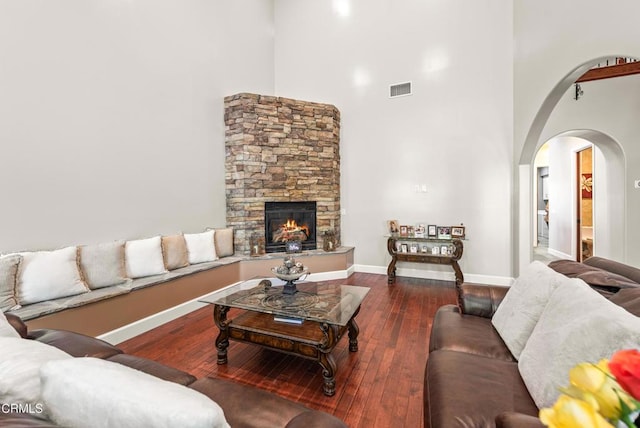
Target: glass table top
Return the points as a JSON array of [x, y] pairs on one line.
[[314, 301]]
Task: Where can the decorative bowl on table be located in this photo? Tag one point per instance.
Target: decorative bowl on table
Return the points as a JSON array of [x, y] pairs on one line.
[[290, 271]]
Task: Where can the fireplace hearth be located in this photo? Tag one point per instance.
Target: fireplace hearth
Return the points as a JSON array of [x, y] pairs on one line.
[[289, 221]]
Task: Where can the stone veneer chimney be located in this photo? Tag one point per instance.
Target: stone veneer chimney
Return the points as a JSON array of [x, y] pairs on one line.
[[280, 150]]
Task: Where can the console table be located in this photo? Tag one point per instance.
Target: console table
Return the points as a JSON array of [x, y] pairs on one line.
[[423, 253]]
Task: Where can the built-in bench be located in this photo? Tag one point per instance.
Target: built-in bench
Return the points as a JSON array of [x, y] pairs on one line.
[[106, 310]]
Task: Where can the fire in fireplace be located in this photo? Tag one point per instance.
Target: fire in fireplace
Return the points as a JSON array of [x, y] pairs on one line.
[[289, 221]]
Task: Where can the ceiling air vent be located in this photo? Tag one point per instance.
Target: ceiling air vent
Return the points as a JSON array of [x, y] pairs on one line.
[[400, 90]]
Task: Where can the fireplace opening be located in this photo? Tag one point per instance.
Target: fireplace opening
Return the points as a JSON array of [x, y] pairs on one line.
[[289, 221]]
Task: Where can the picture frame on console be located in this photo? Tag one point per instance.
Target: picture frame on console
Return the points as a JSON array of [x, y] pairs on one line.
[[444, 232], [458, 232], [394, 227], [432, 231]]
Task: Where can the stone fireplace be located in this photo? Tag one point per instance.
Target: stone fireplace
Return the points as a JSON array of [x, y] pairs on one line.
[[280, 150]]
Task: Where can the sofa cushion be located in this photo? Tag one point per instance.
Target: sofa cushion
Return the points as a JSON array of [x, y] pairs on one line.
[[174, 250], [103, 264], [521, 307], [6, 329], [578, 325], [106, 394], [20, 362], [570, 268], [46, 275], [75, 344], [8, 274], [201, 247], [248, 406], [633, 273], [466, 333], [604, 279], [628, 299], [466, 390], [143, 257]]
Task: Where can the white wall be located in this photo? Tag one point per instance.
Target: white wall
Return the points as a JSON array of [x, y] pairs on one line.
[[553, 39], [454, 134], [111, 114]]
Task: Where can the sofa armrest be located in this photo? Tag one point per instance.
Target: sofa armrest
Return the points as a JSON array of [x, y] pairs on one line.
[[517, 420], [17, 323], [480, 300]]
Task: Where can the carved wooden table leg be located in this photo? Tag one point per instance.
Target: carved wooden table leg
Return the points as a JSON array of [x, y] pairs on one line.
[[326, 359], [354, 330], [458, 272], [222, 341], [391, 270]]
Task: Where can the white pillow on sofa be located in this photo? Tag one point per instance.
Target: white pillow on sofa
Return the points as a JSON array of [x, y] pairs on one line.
[[20, 362], [143, 257], [577, 325], [523, 304], [47, 275], [201, 247], [105, 394]]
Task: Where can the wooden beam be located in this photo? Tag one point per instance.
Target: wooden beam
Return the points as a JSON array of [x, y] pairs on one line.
[[608, 72]]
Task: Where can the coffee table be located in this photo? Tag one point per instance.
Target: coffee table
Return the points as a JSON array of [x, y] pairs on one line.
[[307, 324]]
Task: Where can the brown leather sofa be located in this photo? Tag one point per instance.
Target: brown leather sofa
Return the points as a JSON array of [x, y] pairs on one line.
[[471, 377], [243, 406]]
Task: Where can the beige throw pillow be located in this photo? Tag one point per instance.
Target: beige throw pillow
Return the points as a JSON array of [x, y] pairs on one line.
[[103, 264], [224, 242], [174, 250], [8, 273]]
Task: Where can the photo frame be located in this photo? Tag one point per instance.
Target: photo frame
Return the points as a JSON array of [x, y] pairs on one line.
[[420, 231], [394, 227], [444, 232], [458, 232], [432, 231], [403, 248], [404, 230], [413, 248]]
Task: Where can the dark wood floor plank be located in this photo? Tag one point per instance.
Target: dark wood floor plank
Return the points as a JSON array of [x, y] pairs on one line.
[[378, 386]]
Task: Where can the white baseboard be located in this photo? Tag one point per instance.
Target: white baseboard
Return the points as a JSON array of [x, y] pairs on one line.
[[560, 254], [437, 275], [141, 326]]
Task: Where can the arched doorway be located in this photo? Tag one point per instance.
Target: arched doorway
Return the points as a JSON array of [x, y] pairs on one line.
[[615, 167], [567, 237]]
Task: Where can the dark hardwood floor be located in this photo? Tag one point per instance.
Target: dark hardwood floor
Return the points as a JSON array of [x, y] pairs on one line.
[[378, 386]]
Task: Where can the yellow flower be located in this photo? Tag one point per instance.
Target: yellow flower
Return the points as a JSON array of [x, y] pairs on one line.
[[570, 412], [593, 382]]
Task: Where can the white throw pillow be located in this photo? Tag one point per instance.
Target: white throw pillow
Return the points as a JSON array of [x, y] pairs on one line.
[[577, 325], [201, 247], [20, 362], [105, 394], [144, 257], [523, 304], [47, 275], [6, 329]]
